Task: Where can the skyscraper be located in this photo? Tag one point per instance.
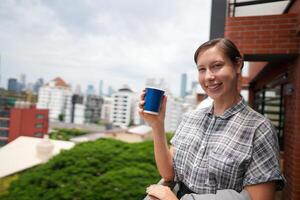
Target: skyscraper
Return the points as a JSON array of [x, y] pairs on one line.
[[110, 91], [90, 90], [101, 88], [22, 82], [39, 83], [183, 85], [12, 85]]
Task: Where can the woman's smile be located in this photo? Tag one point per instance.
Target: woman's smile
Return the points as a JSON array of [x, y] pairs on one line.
[[213, 87]]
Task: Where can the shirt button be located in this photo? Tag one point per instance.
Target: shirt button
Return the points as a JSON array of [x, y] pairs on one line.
[[207, 182]]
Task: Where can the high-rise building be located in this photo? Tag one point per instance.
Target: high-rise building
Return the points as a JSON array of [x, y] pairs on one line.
[[110, 91], [90, 90], [101, 88], [78, 90], [22, 83], [37, 85], [54, 96], [13, 85], [174, 113], [122, 107], [106, 109], [75, 109], [93, 107], [183, 84]]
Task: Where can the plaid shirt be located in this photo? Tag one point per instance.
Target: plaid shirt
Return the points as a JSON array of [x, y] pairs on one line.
[[230, 151]]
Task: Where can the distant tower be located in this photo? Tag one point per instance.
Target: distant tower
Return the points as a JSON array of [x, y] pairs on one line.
[[78, 89], [101, 88], [90, 90], [183, 85], [22, 82], [12, 85], [110, 91]]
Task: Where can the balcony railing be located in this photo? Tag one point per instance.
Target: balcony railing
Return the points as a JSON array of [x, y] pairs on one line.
[[254, 7]]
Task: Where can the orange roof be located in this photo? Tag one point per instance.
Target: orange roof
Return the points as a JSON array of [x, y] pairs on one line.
[[59, 82]]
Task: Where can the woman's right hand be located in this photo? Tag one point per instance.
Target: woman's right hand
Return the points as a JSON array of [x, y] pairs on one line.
[[155, 121]]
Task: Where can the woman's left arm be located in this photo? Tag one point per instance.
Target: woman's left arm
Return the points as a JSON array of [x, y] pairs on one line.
[[262, 191]]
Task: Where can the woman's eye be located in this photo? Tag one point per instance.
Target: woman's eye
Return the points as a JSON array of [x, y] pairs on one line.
[[217, 65], [201, 69]]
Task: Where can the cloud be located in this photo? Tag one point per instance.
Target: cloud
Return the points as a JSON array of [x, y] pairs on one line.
[[119, 42]]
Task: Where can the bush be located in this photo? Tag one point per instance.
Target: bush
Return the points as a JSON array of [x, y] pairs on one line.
[[105, 169], [65, 134]]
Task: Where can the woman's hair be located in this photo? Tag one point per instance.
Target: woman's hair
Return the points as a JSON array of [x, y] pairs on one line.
[[228, 47]]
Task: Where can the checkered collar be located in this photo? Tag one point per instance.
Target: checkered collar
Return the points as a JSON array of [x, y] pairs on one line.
[[230, 111]]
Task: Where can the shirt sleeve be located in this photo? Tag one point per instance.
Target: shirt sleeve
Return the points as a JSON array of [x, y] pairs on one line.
[[264, 164]]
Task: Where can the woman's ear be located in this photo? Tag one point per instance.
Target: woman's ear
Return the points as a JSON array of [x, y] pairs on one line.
[[239, 64]]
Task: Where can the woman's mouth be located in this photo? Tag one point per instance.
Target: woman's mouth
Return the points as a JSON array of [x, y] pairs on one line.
[[213, 87]]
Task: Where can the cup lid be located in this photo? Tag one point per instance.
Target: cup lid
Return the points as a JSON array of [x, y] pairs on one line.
[[156, 88]]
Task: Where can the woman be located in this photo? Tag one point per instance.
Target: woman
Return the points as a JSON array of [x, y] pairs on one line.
[[225, 146]]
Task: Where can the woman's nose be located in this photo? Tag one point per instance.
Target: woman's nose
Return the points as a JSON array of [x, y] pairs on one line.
[[209, 75]]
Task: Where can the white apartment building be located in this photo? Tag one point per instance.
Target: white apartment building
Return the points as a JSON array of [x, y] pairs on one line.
[[122, 107], [74, 112], [137, 120], [174, 112], [54, 96]]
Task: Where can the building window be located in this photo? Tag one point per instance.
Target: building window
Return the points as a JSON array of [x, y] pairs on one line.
[[4, 123], [3, 133], [270, 101], [39, 116], [38, 134], [39, 125], [4, 113]]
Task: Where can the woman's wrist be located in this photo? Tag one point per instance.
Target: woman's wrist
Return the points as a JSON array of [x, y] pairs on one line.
[[158, 128]]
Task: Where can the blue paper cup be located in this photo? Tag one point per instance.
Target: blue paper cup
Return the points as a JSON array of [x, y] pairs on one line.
[[153, 99]]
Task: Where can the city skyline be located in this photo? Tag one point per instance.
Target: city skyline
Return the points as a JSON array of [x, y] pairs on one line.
[[117, 42]]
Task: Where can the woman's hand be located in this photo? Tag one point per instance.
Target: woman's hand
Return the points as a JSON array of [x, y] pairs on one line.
[[155, 121], [160, 192]]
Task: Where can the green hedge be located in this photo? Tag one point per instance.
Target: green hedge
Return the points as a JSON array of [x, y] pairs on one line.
[[105, 169], [66, 134]]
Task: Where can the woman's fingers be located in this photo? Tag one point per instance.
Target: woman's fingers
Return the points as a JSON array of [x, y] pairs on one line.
[[142, 96], [153, 197], [164, 104], [141, 104]]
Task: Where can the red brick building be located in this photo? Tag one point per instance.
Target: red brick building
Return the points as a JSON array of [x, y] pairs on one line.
[[22, 121], [271, 45], [28, 122]]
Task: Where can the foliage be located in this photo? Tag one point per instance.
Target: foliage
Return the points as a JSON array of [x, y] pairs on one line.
[[66, 134], [5, 182], [105, 169], [61, 117]]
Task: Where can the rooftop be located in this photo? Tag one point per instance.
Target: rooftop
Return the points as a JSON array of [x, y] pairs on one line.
[[21, 154]]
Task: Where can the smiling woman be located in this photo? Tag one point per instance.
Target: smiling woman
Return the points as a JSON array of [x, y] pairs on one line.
[[219, 64], [227, 147]]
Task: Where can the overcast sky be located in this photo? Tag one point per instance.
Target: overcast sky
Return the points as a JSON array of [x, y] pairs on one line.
[[117, 41]]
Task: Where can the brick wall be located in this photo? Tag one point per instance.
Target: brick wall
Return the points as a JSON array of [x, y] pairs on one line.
[[272, 34], [292, 136]]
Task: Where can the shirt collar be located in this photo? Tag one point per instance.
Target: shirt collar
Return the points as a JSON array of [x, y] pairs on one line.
[[230, 111]]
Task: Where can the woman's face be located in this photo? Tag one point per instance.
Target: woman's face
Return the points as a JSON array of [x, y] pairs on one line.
[[218, 76]]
